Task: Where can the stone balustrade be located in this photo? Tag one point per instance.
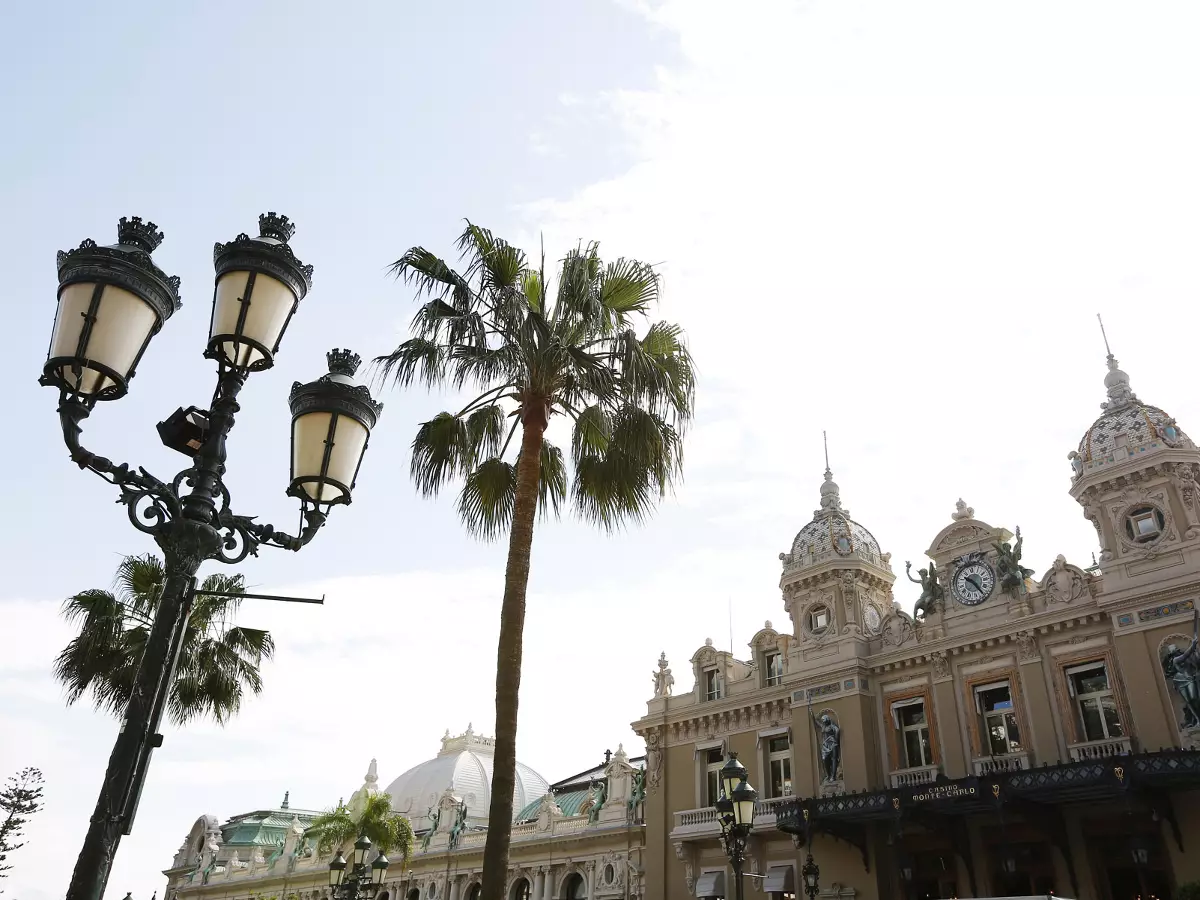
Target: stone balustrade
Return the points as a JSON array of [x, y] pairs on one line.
[[1100, 749], [1010, 762], [917, 775]]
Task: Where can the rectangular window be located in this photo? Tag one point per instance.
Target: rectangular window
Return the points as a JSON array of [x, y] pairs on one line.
[[712, 684], [1001, 733], [779, 758], [914, 734], [1095, 704], [713, 761], [773, 667]]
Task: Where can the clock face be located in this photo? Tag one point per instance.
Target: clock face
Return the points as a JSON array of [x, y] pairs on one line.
[[871, 618], [973, 583]]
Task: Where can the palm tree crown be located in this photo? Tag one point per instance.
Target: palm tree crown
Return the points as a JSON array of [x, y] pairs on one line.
[[532, 354], [218, 663], [339, 827]]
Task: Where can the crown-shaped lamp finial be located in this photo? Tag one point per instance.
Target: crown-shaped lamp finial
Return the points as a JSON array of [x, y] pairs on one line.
[[273, 225], [343, 362], [133, 232]]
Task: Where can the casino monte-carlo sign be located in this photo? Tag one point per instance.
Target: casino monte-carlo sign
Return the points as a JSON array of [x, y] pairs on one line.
[[934, 793]]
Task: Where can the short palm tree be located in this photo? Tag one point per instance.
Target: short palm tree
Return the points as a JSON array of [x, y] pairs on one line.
[[220, 661], [533, 354], [338, 828]]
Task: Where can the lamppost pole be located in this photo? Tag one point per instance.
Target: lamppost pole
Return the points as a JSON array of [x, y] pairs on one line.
[[111, 301], [735, 813]]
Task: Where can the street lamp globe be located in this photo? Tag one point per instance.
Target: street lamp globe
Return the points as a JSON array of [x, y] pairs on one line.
[[361, 848], [379, 870], [332, 419], [732, 774], [260, 283], [811, 874], [337, 870], [744, 798], [111, 301]]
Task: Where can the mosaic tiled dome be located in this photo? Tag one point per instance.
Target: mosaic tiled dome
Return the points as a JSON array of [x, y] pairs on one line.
[[1127, 426], [832, 528]]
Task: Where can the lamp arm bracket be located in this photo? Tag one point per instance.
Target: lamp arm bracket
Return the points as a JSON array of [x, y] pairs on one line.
[[162, 500], [242, 536]]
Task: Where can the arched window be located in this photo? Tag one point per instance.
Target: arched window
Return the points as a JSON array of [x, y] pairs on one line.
[[414, 894], [521, 890], [475, 891], [384, 896], [574, 888]]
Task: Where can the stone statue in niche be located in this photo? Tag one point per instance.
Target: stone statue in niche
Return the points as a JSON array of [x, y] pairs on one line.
[[829, 736], [664, 681], [1182, 671], [1009, 572], [931, 591]]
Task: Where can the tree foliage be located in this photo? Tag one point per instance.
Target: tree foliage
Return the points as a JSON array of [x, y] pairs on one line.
[[581, 350], [20, 798], [340, 827], [220, 661]]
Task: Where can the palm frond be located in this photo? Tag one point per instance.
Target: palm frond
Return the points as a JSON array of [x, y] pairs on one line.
[[628, 286], [552, 481], [139, 581], [440, 452], [430, 275], [485, 431], [416, 358], [485, 504]]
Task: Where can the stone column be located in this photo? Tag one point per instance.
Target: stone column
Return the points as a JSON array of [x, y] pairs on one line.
[[591, 881], [539, 884], [549, 892], [453, 889]]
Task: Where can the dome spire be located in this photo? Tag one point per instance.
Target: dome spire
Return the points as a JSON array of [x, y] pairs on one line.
[[1116, 381], [830, 493]]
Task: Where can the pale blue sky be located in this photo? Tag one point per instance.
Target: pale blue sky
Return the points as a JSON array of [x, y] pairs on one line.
[[891, 221]]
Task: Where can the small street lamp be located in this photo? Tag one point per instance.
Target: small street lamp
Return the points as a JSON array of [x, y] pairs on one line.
[[112, 300], [363, 880], [735, 813], [810, 874]]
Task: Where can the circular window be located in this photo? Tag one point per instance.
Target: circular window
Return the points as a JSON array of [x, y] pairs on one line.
[[871, 618], [1145, 524], [819, 619]]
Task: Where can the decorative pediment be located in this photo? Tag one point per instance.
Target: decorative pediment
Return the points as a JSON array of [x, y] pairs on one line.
[[706, 655], [963, 536], [767, 638]]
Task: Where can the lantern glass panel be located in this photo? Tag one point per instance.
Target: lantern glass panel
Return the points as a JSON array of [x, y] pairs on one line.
[[309, 435], [271, 303], [123, 324]]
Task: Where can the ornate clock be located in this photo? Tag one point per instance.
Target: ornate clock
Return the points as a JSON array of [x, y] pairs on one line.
[[974, 580]]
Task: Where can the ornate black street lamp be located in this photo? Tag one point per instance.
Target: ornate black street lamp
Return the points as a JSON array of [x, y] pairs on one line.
[[735, 813], [810, 874], [363, 880], [111, 301]]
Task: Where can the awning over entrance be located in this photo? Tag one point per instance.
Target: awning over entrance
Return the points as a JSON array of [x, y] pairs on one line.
[[711, 884], [1037, 794], [781, 879]]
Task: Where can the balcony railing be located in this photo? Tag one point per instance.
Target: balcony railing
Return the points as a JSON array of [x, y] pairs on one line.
[[1009, 762], [1100, 749], [914, 776], [703, 821]]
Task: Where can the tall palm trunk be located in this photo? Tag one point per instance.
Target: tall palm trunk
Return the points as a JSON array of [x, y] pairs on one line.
[[508, 655]]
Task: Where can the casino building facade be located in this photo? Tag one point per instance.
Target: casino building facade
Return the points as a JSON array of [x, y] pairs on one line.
[[1029, 733]]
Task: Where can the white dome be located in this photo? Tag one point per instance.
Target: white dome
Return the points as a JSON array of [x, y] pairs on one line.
[[465, 765]]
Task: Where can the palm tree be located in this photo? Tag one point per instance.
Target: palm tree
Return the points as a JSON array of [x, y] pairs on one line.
[[339, 827], [533, 355], [219, 661]]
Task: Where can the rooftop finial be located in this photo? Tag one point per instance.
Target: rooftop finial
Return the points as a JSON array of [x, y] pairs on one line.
[[825, 438], [830, 496], [1104, 335], [286, 796], [1116, 381]]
